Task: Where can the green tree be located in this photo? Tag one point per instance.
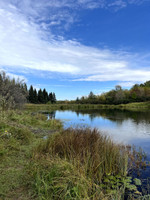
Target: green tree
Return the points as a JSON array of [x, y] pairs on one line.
[[91, 95], [54, 98], [31, 95], [45, 95], [50, 97], [77, 100], [40, 96], [35, 96]]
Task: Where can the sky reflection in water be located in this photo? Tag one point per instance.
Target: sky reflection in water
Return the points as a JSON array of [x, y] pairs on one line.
[[123, 126]]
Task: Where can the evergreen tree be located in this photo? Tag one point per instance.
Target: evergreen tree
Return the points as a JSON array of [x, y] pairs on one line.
[[91, 95], [40, 96], [45, 95], [77, 100], [31, 94], [53, 98], [35, 96], [50, 96]]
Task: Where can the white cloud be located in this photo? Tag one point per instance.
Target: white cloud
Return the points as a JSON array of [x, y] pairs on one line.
[[14, 76], [127, 84], [124, 75], [137, 2], [62, 12], [117, 5], [17, 77], [26, 45]]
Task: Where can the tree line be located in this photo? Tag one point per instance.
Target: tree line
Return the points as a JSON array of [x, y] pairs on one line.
[[14, 93], [41, 96], [138, 93]]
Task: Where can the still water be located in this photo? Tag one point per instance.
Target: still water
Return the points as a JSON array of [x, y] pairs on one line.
[[123, 126]]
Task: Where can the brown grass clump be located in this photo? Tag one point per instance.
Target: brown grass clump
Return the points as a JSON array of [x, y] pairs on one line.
[[89, 150]]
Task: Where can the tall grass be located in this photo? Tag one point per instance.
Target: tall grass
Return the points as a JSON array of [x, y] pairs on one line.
[[79, 160], [88, 148]]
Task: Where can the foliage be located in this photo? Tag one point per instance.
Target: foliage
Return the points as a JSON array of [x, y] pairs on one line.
[[41, 97], [138, 93], [13, 92]]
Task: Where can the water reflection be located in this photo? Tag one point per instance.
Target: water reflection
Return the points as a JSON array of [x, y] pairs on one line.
[[51, 115], [123, 126]]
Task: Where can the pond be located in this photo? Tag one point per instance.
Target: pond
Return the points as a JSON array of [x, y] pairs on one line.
[[125, 127]]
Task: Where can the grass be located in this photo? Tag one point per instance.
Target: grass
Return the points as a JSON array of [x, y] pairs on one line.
[[19, 132], [140, 106], [70, 164], [78, 161], [93, 150], [82, 164]]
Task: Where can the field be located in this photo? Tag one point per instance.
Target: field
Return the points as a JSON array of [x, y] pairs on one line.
[[141, 106]]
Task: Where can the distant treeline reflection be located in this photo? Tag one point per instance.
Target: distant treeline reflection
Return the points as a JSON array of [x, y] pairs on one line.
[[115, 115]]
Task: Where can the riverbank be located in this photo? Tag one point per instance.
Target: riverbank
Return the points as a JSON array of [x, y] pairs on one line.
[[20, 132], [40, 160], [141, 106]]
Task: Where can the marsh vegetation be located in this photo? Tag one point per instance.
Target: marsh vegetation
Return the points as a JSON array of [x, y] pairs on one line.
[[67, 164]]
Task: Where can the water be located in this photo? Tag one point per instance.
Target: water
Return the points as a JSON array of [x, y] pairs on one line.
[[123, 126]]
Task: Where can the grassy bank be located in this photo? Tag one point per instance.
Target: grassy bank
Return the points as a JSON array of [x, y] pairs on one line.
[[20, 131], [141, 106], [40, 160]]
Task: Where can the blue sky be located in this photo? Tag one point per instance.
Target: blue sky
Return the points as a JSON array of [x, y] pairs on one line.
[[72, 47]]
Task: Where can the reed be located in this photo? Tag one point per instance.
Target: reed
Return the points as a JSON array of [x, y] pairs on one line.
[[86, 155], [89, 148]]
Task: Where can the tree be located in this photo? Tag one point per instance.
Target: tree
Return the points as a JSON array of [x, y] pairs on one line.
[[45, 95], [54, 98], [35, 96], [119, 95], [91, 95], [77, 100], [31, 95], [50, 96], [12, 93], [118, 87], [40, 96]]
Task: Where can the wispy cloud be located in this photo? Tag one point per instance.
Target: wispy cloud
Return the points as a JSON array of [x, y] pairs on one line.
[[28, 44], [127, 84], [17, 77], [62, 12]]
